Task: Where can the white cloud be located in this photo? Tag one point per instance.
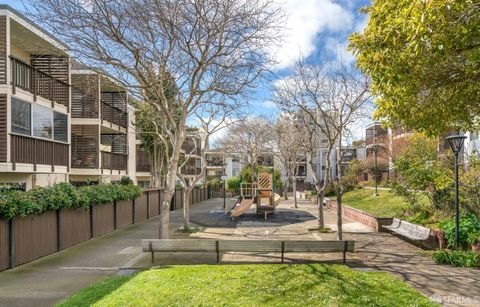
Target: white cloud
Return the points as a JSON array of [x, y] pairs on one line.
[[268, 104], [306, 20]]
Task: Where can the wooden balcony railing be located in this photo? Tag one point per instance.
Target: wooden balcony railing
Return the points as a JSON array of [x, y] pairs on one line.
[[114, 161], [25, 149], [114, 115], [37, 82]]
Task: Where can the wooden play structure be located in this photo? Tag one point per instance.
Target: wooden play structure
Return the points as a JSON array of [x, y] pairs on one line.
[[260, 193]]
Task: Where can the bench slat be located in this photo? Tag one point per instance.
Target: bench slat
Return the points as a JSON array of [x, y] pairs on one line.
[[318, 246], [250, 245], [180, 245]]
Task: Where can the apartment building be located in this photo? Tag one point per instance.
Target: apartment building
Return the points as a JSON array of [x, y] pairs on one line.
[[34, 103], [99, 126]]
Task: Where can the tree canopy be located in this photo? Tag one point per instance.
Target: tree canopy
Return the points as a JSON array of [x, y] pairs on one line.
[[424, 61]]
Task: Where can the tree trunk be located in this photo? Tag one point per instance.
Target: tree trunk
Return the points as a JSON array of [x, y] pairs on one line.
[[295, 191], [186, 207], [339, 217], [165, 214], [321, 220], [285, 189]]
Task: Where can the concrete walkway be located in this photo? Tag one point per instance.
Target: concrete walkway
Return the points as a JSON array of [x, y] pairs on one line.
[[51, 279]]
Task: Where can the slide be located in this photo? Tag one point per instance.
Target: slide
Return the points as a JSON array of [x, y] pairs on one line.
[[242, 207], [276, 199]]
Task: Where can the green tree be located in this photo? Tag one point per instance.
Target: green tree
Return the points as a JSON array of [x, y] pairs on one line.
[[424, 61], [422, 171]]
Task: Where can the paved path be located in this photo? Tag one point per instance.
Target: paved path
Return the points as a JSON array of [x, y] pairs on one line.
[[53, 278]]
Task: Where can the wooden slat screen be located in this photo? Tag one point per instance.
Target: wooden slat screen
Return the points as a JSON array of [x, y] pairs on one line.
[[113, 161], [116, 99], [55, 66], [143, 160], [85, 96], [85, 146], [3, 49], [3, 128]]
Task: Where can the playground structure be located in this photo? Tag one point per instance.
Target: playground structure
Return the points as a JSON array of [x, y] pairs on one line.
[[260, 193]]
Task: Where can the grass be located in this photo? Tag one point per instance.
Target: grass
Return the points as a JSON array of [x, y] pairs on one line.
[[251, 285], [386, 204]]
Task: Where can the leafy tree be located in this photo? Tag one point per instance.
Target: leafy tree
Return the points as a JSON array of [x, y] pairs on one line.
[[422, 171], [424, 61]]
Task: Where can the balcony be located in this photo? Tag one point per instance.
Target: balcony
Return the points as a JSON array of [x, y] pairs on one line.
[[114, 115], [25, 149], [114, 161], [38, 83]]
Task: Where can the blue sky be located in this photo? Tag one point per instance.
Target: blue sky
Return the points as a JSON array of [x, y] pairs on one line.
[[317, 29]]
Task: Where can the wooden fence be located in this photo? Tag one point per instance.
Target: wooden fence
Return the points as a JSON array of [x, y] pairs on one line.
[[24, 239]]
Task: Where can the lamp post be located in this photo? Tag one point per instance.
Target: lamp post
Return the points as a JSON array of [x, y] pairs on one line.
[[456, 143], [375, 148], [224, 178]]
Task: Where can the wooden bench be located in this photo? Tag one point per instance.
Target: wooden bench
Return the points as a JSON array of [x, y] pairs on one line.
[[409, 230], [223, 246]]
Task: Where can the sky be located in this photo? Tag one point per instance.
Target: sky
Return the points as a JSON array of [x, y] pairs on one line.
[[315, 29]]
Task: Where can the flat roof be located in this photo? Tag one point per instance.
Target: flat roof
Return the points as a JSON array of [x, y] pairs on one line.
[[22, 16]]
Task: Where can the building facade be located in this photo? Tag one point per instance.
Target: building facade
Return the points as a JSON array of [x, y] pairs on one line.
[[35, 103]]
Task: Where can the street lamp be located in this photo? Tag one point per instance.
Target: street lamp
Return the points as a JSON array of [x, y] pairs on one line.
[[224, 178], [456, 143], [375, 148]]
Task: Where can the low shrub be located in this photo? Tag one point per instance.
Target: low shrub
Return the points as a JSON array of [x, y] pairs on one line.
[[458, 258], [63, 195], [469, 231]]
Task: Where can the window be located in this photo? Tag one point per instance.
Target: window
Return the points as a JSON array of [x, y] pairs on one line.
[[35, 120], [42, 122], [60, 127], [21, 117]]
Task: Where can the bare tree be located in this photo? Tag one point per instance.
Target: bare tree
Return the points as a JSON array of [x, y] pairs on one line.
[[211, 118], [205, 46], [326, 101], [251, 137], [289, 151]]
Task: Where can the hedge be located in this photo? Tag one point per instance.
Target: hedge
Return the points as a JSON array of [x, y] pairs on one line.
[[62, 195]]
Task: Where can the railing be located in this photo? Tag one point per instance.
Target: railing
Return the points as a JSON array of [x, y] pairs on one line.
[[114, 161], [25, 149], [114, 115], [30, 79]]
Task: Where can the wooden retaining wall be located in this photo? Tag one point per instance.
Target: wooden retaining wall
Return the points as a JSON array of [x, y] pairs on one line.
[[24, 239]]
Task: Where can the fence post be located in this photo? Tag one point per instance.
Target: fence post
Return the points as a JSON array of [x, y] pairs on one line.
[[148, 205], [114, 215], [11, 244], [133, 211], [91, 221], [59, 247]]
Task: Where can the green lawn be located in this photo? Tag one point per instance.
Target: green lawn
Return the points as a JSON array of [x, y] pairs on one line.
[[251, 285], [386, 204]]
